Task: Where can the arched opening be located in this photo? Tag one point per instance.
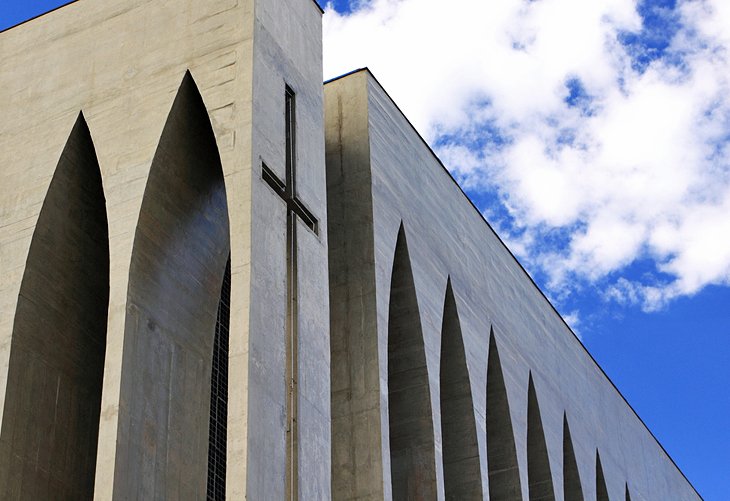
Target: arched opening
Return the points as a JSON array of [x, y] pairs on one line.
[[51, 416], [462, 475], [179, 257], [412, 456], [504, 473], [601, 489], [538, 463], [571, 478]]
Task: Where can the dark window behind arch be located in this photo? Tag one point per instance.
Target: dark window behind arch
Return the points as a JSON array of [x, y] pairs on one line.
[[218, 427]]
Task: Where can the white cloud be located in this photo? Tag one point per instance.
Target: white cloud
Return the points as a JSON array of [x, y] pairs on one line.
[[573, 320], [637, 168]]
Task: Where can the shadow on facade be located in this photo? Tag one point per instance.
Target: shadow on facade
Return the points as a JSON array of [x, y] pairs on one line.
[[51, 417], [412, 458], [462, 474], [181, 248]]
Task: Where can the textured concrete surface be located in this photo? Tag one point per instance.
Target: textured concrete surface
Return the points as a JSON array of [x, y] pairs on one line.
[[412, 461], [462, 474], [288, 51], [572, 488], [540, 479], [503, 470], [381, 175], [601, 488], [358, 466], [122, 63], [179, 258], [51, 420]]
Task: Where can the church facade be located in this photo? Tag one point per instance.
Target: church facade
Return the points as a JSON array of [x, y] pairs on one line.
[[222, 279]]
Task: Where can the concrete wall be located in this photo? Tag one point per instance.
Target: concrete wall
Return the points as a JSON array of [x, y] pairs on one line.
[[51, 421], [412, 462], [122, 62], [287, 52], [357, 424], [460, 446], [179, 257], [381, 175]]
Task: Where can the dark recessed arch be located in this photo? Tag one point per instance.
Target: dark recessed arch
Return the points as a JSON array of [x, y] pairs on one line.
[[571, 478], [504, 473], [601, 489], [462, 475], [412, 455], [538, 463], [51, 416], [179, 257], [628, 494]]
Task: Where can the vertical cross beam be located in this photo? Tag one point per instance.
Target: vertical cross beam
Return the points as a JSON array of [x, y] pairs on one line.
[[295, 209], [292, 286]]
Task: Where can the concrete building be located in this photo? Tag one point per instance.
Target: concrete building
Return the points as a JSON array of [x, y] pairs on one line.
[[222, 279], [452, 374]]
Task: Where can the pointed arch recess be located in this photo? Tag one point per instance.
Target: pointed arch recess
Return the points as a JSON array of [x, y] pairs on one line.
[[571, 478], [179, 257], [51, 416], [412, 455], [628, 493], [538, 462], [504, 473], [601, 489], [462, 474]]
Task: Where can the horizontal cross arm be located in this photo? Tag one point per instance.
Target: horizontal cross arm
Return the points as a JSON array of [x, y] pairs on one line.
[[293, 203], [273, 180], [300, 210]]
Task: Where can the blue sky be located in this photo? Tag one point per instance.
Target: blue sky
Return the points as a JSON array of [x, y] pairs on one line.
[[595, 137]]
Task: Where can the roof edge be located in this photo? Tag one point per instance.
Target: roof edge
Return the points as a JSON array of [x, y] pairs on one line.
[[352, 72], [489, 226], [38, 15], [69, 2], [319, 7]]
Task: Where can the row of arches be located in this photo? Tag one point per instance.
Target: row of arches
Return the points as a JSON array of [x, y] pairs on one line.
[[411, 431], [175, 325]]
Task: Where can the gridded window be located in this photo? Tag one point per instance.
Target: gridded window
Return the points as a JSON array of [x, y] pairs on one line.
[[219, 395]]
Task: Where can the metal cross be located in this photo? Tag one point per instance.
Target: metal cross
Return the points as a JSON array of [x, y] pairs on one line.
[[294, 208]]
